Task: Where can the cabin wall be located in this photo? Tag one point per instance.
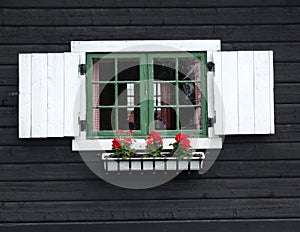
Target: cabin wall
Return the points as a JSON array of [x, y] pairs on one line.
[[254, 184]]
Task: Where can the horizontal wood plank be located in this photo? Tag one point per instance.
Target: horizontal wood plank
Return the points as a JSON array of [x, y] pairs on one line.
[[260, 225], [137, 3], [194, 189], [229, 152], [283, 52], [9, 136], [220, 169], [149, 210], [238, 33], [148, 16]]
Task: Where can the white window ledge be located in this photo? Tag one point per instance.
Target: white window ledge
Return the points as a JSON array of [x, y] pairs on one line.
[[139, 144]]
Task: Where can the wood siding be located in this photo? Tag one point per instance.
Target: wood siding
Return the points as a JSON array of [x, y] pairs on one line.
[[253, 186]]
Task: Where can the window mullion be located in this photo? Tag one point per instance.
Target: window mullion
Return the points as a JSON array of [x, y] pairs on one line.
[[177, 94], [116, 95]]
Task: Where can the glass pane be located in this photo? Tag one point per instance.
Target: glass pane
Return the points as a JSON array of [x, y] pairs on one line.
[[190, 118], [103, 70], [128, 69], [164, 69], [165, 117], [164, 94], [189, 69], [189, 93], [104, 119], [129, 94], [129, 118], [103, 94]]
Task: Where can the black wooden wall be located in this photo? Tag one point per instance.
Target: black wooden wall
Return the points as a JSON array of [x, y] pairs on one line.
[[253, 186]]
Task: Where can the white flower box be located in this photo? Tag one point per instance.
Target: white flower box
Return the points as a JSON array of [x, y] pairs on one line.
[[152, 164]]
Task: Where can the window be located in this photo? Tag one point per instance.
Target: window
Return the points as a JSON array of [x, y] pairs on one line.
[[146, 91]]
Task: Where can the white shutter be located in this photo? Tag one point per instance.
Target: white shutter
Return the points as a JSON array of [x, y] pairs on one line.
[[51, 92], [243, 92]]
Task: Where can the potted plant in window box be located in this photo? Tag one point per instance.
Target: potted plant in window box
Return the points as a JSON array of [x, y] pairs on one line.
[[125, 158]]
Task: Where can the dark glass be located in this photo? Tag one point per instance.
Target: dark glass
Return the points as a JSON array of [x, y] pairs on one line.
[[129, 94], [103, 70], [164, 69], [129, 118], [190, 118], [128, 69]]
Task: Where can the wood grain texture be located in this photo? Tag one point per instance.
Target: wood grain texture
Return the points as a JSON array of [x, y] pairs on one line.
[[227, 33], [259, 225], [100, 190], [137, 3], [160, 16], [68, 211]]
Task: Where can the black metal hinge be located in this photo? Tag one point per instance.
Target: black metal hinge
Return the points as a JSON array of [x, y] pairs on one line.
[[210, 66], [83, 125], [210, 122], [82, 69]]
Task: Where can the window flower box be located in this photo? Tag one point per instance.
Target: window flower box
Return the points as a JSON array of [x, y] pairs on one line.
[[153, 163]]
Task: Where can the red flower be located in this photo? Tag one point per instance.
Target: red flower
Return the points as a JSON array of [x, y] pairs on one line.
[[180, 137], [128, 140], [116, 143], [185, 144]]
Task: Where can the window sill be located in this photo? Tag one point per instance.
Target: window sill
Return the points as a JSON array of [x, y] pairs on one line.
[[82, 144]]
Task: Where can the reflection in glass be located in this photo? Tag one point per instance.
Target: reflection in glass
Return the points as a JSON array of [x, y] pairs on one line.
[[128, 69], [164, 69]]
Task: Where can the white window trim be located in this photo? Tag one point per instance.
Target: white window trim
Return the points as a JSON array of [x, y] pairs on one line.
[[212, 142]]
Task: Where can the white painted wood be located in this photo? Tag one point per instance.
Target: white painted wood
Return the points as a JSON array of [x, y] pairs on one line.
[[105, 144], [24, 95], [72, 94], [262, 92], [218, 94], [55, 95], [145, 45], [246, 92], [82, 89], [39, 96], [247, 84], [230, 92], [271, 78]]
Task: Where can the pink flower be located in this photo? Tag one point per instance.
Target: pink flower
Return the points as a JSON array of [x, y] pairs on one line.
[[128, 140], [185, 144]]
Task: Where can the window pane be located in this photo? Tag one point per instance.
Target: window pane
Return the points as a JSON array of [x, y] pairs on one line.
[[189, 69], [103, 70], [128, 69], [165, 117], [129, 94], [190, 118], [104, 119], [164, 69], [164, 94], [103, 94], [129, 118]]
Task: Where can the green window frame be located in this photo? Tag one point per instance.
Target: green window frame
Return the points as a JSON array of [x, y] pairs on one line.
[[146, 84]]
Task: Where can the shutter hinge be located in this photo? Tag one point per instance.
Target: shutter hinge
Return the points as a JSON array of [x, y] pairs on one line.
[[82, 69], [82, 125], [210, 66], [210, 122]]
